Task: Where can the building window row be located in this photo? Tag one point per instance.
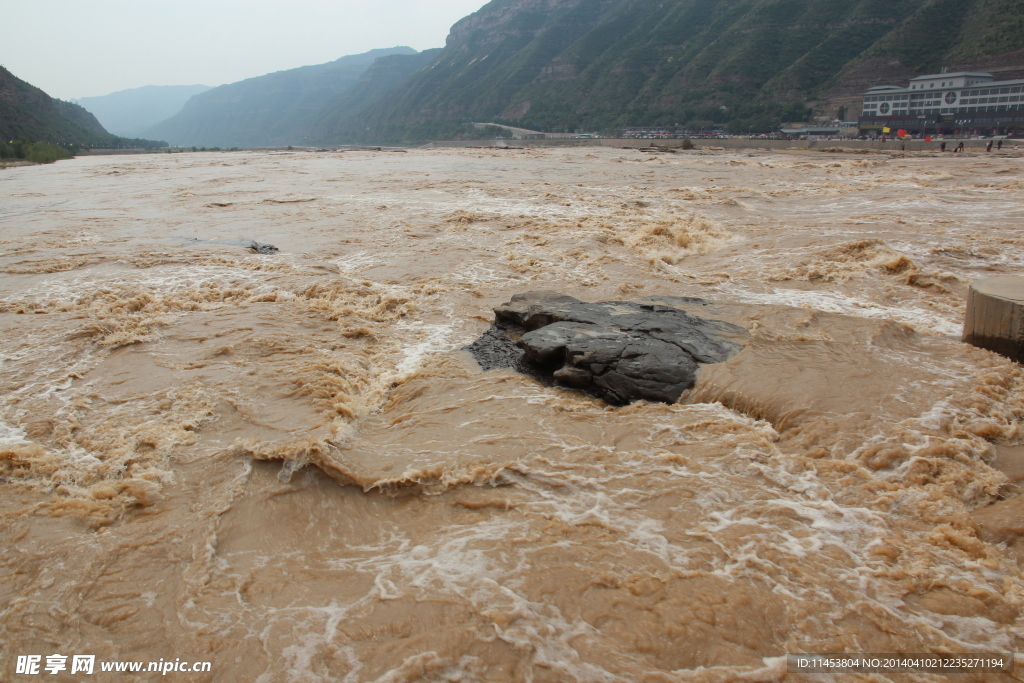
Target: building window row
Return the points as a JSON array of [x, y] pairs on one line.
[[893, 102], [886, 98], [978, 100], [947, 110], [990, 91], [971, 110], [944, 84], [921, 108], [963, 93]]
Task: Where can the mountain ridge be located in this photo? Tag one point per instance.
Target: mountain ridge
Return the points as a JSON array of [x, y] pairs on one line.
[[132, 111], [381, 77], [607, 64], [28, 112], [265, 111], [604, 65]]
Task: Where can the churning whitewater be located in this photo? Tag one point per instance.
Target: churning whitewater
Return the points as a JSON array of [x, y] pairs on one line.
[[286, 464]]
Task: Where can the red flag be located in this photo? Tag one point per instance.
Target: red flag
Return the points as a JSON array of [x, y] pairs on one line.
[[927, 138], [901, 133]]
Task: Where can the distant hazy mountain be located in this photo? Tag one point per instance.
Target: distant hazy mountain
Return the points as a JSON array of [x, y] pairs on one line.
[[27, 111], [605, 64], [332, 122], [131, 112], [266, 111]]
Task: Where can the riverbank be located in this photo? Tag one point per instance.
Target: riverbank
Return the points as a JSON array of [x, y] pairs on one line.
[[736, 144], [14, 163]]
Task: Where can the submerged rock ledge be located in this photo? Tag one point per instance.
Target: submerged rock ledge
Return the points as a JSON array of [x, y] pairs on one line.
[[251, 245], [620, 351]]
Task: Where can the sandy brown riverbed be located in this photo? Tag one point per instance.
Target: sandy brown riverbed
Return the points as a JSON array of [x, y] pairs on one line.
[[284, 464]]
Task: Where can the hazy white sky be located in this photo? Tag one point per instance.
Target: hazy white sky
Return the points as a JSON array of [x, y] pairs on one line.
[[82, 48]]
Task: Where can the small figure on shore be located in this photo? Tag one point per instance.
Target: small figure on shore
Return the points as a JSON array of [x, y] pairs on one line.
[[988, 147], [999, 145], [960, 147], [942, 147]]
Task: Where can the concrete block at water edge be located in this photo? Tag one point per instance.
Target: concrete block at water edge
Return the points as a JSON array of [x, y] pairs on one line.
[[995, 316]]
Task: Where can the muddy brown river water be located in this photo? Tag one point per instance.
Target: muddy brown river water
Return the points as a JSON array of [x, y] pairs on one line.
[[285, 466]]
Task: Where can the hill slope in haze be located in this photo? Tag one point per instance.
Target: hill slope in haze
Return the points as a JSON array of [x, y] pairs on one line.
[[26, 111], [604, 64], [384, 75], [266, 111], [131, 112]]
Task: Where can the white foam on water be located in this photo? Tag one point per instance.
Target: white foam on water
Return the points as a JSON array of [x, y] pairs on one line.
[[475, 274], [836, 302], [828, 516], [355, 262], [671, 497], [648, 535], [434, 338], [12, 436], [934, 418], [163, 279]]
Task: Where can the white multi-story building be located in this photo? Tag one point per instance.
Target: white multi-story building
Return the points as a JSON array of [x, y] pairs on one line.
[[943, 102]]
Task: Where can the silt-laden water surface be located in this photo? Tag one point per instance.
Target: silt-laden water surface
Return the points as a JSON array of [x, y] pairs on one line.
[[283, 464]]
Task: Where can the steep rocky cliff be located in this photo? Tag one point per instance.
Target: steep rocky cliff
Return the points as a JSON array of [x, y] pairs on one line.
[[603, 64]]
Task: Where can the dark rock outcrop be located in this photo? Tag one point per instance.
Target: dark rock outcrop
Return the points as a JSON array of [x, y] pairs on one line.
[[620, 351], [259, 247], [251, 245]]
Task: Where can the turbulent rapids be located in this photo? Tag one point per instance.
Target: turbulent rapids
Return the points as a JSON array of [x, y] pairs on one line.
[[285, 463]]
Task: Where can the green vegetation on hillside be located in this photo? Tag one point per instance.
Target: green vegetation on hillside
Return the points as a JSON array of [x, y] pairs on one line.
[[28, 113], [38, 152], [566, 65], [599, 65], [943, 31], [335, 120]]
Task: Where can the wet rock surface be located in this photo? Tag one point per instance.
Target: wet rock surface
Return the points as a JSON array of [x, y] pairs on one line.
[[496, 349], [620, 351], [251, 245]]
